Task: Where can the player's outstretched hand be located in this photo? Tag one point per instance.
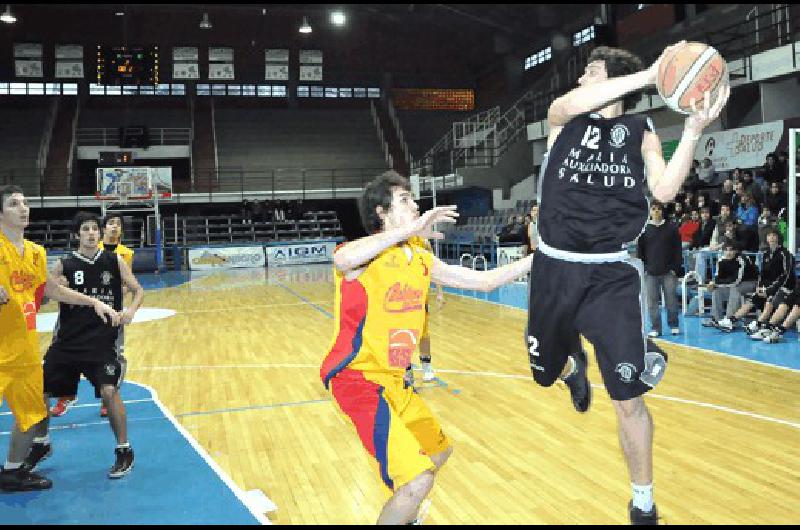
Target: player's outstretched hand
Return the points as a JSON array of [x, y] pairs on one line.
[[423, 226], [653, 70], [106, 313], [63, 281], [708, 112], [126, 317]]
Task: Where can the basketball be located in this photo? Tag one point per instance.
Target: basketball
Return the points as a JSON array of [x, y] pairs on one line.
[[687, 72]]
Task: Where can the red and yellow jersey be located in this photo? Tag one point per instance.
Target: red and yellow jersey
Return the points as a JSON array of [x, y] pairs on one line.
[[24, 278], [379, 316], [125, 252]]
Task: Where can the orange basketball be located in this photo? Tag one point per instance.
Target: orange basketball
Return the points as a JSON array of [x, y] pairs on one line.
[[687, 72]]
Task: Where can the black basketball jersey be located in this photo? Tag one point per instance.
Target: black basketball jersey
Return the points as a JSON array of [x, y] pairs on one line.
[[80, 333], [592, 189]]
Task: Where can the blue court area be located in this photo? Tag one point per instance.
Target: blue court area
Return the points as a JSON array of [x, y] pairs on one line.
[[163, 280], [172, 482], [785, 354]]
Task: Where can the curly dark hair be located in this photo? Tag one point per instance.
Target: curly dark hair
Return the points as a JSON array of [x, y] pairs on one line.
[[619, 62], [379, 193]]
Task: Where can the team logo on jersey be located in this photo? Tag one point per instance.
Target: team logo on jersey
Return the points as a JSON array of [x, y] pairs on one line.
[[402, 298], [619, 133], [106, 278], [626, 372], [402, 343], [30, 310], [110, 369], [22, 281]]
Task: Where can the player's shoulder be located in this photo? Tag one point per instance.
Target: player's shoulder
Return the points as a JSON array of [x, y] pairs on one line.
[[36, 249]]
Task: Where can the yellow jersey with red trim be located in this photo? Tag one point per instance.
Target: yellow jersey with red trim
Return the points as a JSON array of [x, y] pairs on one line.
[[379, 316], [125, 252], [24, 278]]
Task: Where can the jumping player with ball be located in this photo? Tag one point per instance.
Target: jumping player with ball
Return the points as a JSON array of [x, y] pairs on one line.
[[601, 168]]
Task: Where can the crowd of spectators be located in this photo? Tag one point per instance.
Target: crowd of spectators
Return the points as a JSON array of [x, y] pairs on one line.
[[728, 216]]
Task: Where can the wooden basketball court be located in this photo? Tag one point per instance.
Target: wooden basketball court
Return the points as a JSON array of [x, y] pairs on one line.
[[243, 352]]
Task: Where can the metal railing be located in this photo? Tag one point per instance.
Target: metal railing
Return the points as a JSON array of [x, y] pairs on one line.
[[44, 145], [231, 183], [379, 131], [110, 136]]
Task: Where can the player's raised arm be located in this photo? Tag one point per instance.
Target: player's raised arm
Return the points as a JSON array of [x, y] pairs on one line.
[[665, 180], [358, 253], [464, 278]]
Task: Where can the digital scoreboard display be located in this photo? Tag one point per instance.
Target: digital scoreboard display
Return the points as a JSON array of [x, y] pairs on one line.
[[127, 65]]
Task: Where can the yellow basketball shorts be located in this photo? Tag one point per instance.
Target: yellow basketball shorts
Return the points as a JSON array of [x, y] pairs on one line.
[[394, 424], [22, 387]]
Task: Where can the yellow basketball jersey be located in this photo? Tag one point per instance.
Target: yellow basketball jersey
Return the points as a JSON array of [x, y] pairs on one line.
[[125, 252], [24, 278], [379, 316]]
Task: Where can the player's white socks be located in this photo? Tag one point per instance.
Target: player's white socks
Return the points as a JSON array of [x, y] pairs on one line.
[[9, 466], [42, 439], [643, 497], [126, 445]]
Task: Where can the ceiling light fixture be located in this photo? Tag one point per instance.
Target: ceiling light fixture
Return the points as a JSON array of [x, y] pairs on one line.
[[205, 23], [305, 28], [7, 16], [338, 18]]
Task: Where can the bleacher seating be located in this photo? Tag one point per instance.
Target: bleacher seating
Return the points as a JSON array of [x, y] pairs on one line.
[[293, 140], [134, 113], [21, 131], [422, 129]]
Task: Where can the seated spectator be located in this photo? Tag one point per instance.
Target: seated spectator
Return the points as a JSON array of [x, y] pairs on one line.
[[736, 276], [707, 174], [689, 227], [703, 201], [702, 238], [776, 282], [751, 187], [677, 213], [772, 172], [701, 241], [726, 197], [723, 219], [747, 213], [780, 322], [776, 199], [514, 231], [690, 200]]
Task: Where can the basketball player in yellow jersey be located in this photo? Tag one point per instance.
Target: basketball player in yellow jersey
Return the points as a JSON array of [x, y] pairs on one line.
[[382, 283], [113, 228], [23, 284]]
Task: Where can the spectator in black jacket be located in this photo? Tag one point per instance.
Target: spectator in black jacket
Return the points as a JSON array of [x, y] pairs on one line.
[[736, 276], [659, 248], [775, 199], [514, 231], [701, 241], [726, 196], [775, 283]]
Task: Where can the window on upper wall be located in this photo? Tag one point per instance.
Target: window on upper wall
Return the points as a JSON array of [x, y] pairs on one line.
[[539, 57], [583, 36]]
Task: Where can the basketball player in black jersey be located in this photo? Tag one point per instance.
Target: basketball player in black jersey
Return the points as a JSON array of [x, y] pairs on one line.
[[83, 344], [601, 167]]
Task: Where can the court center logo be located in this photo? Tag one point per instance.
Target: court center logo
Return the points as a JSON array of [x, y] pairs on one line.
[[626, 372], [106, 278], [619, 133]]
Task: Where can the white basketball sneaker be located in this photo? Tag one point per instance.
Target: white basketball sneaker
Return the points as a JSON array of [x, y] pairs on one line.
[[427, 373]]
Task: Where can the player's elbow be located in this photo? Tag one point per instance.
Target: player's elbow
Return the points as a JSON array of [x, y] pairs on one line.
[[341, 262], [559, 112]]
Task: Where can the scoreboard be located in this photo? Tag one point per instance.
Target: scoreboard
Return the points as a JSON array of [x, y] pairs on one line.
[[127, 65]]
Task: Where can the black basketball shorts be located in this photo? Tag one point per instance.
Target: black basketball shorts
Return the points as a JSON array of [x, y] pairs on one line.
[[62, 375], [604, 302]]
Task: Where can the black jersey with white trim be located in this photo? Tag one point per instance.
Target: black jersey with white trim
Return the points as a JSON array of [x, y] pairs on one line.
[[592, 189], [80, 333]]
